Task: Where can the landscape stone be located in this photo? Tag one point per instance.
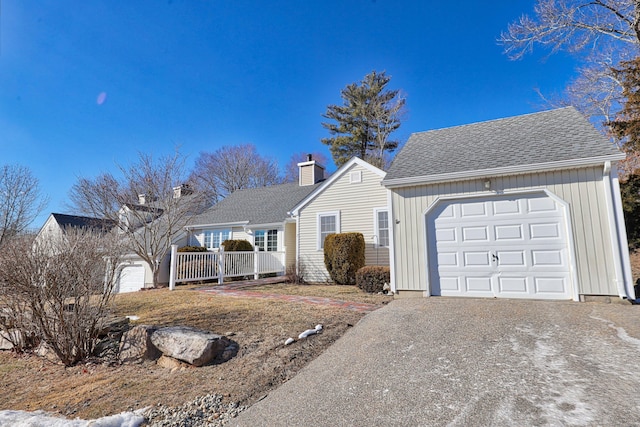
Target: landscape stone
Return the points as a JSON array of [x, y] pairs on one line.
[[136, 345], [191, 345]]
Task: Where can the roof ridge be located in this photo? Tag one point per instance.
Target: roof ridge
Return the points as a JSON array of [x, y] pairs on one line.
[[569, 107]]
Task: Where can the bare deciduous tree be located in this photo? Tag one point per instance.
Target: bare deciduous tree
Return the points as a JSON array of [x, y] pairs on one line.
[[20, 200], [58, 290], [232, 168], [291, 171], [602, 32], [149, 203]]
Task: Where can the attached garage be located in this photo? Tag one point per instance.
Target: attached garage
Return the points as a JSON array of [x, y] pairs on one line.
[[522, 207], [500, 246], [131, 278]]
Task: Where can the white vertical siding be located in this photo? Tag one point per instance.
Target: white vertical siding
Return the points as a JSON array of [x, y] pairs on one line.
[[582, 189], [356, 203]]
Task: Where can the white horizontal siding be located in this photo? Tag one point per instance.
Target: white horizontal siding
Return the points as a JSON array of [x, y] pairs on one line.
[[582, 189], [356, 203]]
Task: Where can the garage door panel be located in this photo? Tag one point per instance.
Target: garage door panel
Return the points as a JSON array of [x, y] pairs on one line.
[[544, 258], [445, 235], [475, 234], [473, 210], [478, 284], [544, 231], [506, 207], [448, 259], [500, 246], [542, 204], [511, 258], [508, 232], [474, 259], [450, 284], [513, 285], [550, 285]]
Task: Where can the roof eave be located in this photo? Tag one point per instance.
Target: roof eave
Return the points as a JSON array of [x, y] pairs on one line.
[[216, 225], [501, 171]]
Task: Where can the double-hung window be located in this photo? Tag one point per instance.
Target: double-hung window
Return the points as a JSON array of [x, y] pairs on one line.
[[213, 238], [382, 227], [328, 223], [266, 240]]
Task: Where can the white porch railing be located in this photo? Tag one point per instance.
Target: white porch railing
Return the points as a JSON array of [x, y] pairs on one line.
[[199, 266]]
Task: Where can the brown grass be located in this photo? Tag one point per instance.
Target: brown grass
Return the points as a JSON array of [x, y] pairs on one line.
[[260, 327]]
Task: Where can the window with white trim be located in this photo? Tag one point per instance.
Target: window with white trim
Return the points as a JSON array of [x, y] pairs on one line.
[[382, 227], [328, 223], [213, 238], [266, 240]]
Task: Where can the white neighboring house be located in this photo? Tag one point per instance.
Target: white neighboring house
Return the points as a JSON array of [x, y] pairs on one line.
[[155, 231], [56, 225], [521, 207], [133, 272], [351, 200]]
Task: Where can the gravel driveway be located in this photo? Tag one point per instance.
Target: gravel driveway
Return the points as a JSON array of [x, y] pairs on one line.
[[461, 362]]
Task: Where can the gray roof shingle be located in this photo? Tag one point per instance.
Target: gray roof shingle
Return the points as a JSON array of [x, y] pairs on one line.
[[75, 221], [533, 139], [265, 205]]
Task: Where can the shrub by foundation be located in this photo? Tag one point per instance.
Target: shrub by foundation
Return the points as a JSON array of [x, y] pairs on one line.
[[372, 278], [344, 256]]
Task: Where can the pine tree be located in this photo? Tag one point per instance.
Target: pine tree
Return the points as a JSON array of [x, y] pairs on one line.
[[363, 124], [626, 126]]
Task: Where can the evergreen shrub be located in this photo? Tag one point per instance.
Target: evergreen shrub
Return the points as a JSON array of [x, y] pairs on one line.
[[372, 278], [344, 256]]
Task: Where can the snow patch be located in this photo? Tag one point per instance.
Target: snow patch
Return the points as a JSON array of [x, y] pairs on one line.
[[621, 332], [45, 419]]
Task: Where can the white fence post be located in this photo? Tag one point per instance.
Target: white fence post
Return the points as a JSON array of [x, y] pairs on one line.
[[256, 264], [172, 267], [221, 265]]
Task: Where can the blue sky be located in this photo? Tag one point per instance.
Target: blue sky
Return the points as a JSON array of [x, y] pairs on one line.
[[86, 85]]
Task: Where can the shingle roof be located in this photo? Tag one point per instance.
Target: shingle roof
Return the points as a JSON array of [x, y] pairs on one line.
[[75, 221], [533, 139], [265, 205]]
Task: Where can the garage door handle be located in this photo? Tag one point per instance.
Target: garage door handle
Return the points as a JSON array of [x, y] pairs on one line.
[[494, 258]]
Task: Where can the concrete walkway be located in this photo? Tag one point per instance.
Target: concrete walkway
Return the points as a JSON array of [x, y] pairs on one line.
[[470, 362], [240, 290]]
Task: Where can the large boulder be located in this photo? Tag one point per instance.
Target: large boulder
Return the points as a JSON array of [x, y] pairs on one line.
[[136, 345], [190, 345]]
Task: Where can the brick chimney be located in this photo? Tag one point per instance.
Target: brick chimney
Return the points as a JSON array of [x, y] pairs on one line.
[[310, 172]]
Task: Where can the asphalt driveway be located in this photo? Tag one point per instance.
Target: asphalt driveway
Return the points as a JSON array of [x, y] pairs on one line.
[[461, 362]]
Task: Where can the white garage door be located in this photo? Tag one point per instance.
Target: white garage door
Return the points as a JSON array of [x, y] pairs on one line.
[[509, 247], [131, 279]]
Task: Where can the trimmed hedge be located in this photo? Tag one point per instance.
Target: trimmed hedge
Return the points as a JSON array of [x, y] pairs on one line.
[[372, 278], [344, 256], [192, 249], [237, 245]]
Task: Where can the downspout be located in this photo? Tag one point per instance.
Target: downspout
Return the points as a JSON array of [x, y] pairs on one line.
[[392, 252], [622, 233], [615, 233]]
